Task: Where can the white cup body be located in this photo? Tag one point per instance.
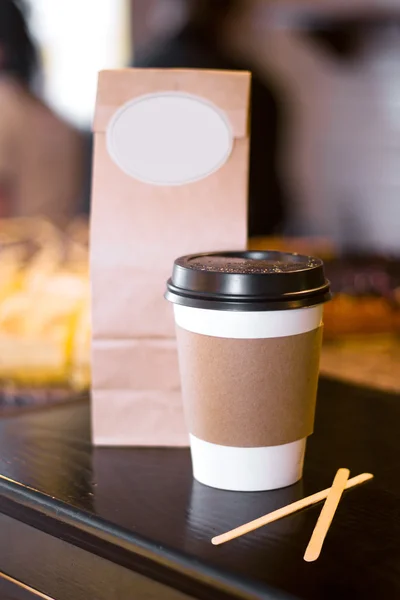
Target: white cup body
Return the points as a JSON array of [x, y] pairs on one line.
[[247, 469]]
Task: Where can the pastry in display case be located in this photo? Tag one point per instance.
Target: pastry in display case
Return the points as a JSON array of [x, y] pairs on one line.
[[367, 296], [44, 312], [366, 287]]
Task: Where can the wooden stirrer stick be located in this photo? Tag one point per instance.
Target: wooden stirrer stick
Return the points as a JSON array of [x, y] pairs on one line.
[[327, 513], [284, 511]]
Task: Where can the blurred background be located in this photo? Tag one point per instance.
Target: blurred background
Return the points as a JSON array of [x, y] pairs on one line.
[[326, 89], [325, 149], [75, 40]]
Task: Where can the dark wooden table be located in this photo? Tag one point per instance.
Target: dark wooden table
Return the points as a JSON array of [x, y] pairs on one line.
[[82, 523]]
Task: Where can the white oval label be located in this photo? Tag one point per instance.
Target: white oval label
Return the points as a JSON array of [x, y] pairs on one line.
[[170, 138]]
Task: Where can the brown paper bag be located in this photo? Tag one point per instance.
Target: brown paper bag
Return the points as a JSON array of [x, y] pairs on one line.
[[170, 178]]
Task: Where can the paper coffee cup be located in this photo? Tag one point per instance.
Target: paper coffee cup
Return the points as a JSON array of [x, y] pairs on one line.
[[249, 329]]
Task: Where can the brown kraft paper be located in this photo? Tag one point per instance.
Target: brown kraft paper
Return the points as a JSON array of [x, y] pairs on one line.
[[249, 392], [137, 231], [135, 363], [123, 417]]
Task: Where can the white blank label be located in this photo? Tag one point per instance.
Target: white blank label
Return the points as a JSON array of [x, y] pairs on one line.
[[170, 138]]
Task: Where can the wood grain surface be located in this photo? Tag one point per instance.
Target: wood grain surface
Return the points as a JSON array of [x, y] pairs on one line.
[[65, 571], [140, 508]]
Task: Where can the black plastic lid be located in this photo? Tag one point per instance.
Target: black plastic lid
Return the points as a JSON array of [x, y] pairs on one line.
[[248, 281]]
